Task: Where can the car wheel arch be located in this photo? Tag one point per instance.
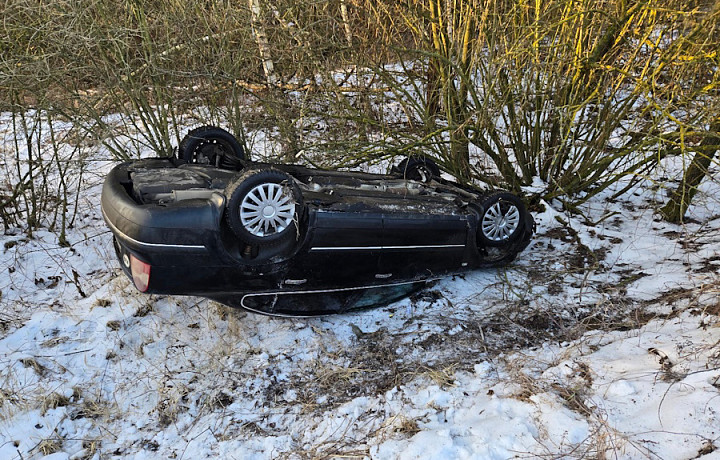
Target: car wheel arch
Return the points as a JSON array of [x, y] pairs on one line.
[[501, 217], [248, 195]]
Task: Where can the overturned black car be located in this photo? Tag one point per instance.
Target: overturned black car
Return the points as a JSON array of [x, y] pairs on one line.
[[276, 238]]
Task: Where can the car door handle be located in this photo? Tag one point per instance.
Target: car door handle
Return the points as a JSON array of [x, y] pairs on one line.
[[295, 282], [383, 276]]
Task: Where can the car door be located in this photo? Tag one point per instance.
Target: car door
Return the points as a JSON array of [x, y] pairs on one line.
[[422, 237], [345, 247]]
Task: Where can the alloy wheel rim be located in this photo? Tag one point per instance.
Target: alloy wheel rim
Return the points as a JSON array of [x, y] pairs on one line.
[[267, 209], [500, 222]]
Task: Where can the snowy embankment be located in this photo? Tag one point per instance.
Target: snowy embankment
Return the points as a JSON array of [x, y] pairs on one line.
[[601, 340]]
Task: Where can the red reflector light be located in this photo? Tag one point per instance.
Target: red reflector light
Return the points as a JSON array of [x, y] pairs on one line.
[[140, 274]]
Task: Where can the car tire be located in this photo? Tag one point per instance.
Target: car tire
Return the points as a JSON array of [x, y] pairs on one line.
[[263, 207], [419, 168], [212, 146], [501, 220]]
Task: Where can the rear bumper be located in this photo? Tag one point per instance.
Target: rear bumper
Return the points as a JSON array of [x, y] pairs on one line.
[[180, 241], [183, 228]]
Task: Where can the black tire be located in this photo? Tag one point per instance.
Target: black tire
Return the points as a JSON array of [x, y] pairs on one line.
[[264, 207], [211, 145], [419, 168], [502, 219]]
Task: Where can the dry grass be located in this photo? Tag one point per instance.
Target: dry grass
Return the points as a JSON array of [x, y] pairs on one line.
[[92, 447], [92, 407], [402, 424], [443, 376], [331, 375], [53, 401], [35, 365], [49, 446]]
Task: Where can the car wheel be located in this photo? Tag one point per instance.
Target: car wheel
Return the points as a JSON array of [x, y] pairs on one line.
[[501, 219], [263, 207], [419, 168], [211, 145]]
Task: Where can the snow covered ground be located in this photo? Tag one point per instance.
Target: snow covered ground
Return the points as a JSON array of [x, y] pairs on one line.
[[601, 341]]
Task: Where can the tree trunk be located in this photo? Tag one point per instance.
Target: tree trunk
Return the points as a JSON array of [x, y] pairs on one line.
[[680, 200], [346, 23], [460, 153], [262, 42], [432, 90]]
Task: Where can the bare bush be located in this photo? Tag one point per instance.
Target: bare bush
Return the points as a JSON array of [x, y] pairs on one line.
[[579, 94], [576, 93]]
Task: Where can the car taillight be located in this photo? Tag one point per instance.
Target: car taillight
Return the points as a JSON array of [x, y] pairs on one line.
[[140, 273]]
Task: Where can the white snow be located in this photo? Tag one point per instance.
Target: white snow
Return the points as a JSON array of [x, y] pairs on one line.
[[559, 355]]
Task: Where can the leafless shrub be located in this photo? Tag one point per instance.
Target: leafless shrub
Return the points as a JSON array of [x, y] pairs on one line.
[[43, 174], [579, 94]]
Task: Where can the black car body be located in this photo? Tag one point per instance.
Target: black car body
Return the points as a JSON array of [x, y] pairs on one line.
[[212, 224]]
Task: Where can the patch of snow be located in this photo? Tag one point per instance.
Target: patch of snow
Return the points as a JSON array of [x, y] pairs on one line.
[[601, 339]]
